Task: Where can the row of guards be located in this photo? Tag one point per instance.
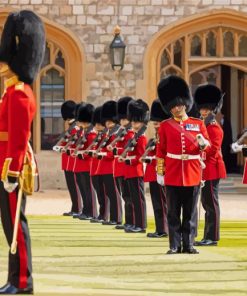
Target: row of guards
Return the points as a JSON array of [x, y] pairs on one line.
[[105, 154]]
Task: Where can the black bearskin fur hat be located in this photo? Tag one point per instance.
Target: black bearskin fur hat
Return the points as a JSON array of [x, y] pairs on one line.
[[85, 113], [207, 96], [97, 115], [23, 44], [138, 110], [109, 111], [68, 110], [122, 104], [157, 113], [173, 91]]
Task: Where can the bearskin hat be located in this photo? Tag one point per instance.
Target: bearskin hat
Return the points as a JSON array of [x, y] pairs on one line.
[[157, 113], [109, 111], [97, 115], [23, 44], [138, 110], [68, 110], [122, 104], [208, 96], [173, 91], [85, 113]]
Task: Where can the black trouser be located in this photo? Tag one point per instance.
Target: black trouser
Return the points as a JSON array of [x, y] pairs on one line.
[[20, 264], [72, 187], [101, 197], [136, 188], [123, 188], [185, 199], [111, 192], [158, 198], [87, 193], [210, 203]]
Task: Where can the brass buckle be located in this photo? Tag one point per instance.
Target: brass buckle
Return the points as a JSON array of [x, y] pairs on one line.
[[184, 156]]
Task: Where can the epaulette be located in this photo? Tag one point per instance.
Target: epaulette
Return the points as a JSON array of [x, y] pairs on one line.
[[19, 86], [195, 118], [166, 120]]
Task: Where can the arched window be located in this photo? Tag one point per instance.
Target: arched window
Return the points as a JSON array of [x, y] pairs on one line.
[[196, 46], [52, 93], [243, 46], [211, 45], [228, 44], [177, 54]]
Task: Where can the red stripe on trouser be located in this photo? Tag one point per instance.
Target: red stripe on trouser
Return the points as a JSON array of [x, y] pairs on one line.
[[141, 204], [20, 243], [216, 216]]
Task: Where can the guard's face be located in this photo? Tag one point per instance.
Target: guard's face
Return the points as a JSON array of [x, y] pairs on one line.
[[156, 125], [99, 127], [109, 124], [124, 122], [136, 125], [178, 111], [205, 112]]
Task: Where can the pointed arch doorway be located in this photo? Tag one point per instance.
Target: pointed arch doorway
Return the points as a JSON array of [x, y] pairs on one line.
[[211, 46]]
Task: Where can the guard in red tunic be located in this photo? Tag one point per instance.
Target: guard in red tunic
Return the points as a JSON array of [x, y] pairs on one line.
[[157, 191], [83, 161], [106, 160], [180, 141], [138, 115], [95, 177], [119, 168], [21, 51], [208, 100], [68, 114]]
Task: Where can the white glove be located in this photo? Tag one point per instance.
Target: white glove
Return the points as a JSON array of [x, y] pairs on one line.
[[160, 179], [203, 143], [10, 187], [236, 147], [56, 148]]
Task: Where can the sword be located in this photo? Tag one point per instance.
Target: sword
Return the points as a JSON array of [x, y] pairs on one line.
[[13, 246]]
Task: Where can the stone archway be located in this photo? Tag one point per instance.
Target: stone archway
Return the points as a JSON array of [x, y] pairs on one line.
[[182, 28]]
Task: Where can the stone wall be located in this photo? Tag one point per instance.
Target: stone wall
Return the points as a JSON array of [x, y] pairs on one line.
[[93, 22]]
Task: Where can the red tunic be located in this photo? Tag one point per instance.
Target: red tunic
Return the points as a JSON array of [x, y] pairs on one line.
[[83, 165], [179, 138], [105, 165], [150, 172], [215, 167], [135, 169], [67, 160], [245, 173], [17, 109], [119, 168]]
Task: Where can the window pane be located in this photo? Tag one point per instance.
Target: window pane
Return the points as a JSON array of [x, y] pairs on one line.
[[243, 46], [46, 60], [164, 60], [228, 44], [60, 60], [52, 97], [177, 54], [196, 46], [211, 45]]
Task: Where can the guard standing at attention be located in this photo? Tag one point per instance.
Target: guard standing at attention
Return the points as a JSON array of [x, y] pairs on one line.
[[209, 100], [21, 54], [180, 142]]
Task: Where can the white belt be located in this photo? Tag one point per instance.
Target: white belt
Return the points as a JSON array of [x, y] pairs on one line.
[[183, 156]]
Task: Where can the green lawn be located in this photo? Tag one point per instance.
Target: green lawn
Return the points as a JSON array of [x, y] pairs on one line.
[[74, 257]]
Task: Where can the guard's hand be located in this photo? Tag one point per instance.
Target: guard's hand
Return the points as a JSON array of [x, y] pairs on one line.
[[160, 179], [56, 148], [11, 184], [109, 148], [236, 147], [202, 142]]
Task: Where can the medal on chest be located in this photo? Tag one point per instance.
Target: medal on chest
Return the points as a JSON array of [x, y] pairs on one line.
[[192, 127]]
